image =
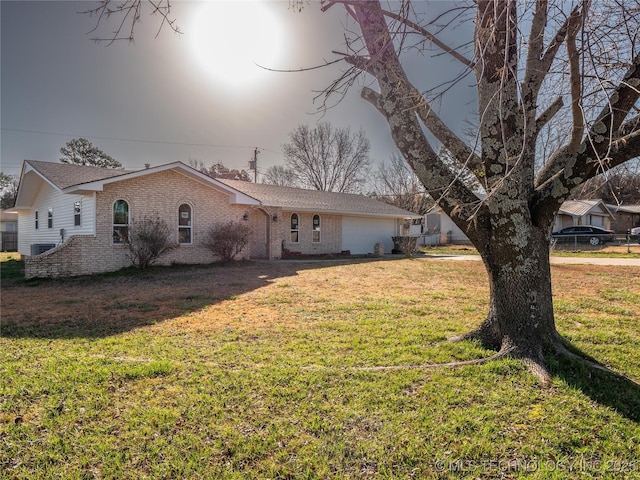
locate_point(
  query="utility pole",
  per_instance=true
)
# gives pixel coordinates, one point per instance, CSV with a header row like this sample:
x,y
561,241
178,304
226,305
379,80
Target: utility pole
x,y
253,165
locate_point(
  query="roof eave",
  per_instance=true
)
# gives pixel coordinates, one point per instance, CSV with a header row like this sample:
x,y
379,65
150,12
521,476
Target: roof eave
x,y
349,213
235,196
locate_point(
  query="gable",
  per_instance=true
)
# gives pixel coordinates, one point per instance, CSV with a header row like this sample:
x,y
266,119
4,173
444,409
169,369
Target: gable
x,y
82,179
580,208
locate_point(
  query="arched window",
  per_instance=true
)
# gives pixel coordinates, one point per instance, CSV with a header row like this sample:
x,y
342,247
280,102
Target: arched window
x,y
295,227
316,229
77,211
120,221
185,224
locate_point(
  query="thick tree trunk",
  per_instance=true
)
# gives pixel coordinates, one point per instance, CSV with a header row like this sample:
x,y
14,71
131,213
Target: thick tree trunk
x,y
520,321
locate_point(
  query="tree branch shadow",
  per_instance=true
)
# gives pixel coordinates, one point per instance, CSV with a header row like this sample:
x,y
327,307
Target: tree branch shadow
x,y
104,305
601,384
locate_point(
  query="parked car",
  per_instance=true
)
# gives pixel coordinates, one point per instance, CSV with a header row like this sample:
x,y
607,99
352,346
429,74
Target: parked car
x,y
583,234
635,234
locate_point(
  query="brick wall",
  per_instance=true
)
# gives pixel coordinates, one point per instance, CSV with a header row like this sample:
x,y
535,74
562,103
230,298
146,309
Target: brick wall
x,y
159,194
330,234
266,236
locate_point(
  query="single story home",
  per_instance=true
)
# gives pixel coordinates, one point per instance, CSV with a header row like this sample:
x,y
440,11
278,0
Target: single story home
x,y
571,212
583,212
73,219
626,217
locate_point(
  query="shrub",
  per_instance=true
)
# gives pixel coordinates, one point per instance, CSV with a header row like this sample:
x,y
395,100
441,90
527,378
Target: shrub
x,y
226,240
405,244
148,239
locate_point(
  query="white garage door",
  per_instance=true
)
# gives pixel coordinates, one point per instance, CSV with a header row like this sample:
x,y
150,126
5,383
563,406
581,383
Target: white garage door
x,y
359,235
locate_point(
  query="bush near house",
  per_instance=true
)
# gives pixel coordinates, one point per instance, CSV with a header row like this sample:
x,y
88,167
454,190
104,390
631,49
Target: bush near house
x,y
227,240
149,239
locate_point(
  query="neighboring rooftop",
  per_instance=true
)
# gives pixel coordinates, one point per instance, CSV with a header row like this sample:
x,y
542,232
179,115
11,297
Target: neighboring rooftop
x,y
578,208
624,208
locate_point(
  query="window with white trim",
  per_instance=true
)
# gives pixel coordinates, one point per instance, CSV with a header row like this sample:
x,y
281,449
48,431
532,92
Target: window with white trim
x,y
315,238
36,219
120,221
50,218
295,228
185,226
77,209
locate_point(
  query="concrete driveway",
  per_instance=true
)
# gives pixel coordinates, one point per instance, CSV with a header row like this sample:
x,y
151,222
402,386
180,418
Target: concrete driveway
x,y
629,262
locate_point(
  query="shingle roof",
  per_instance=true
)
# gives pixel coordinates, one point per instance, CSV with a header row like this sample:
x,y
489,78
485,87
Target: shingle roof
x,y
624,208
580,207
64,175
317,201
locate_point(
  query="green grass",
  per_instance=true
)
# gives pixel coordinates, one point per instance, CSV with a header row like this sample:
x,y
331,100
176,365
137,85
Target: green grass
x,y
11,268
214,392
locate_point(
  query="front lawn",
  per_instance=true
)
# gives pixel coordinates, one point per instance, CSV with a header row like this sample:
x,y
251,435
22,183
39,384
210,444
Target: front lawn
x,y
309,370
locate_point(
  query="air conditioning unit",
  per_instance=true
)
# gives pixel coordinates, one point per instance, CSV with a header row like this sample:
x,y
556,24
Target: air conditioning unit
x,y
40,248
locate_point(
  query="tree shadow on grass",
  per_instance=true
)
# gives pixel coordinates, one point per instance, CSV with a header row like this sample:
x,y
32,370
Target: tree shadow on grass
x,y
605,386
110,304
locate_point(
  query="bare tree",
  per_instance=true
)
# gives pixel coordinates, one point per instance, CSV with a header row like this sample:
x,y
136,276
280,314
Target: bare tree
x,y
281,176
588,54
618,186
328,159
218,170
8,190
81,151
533,63
395,183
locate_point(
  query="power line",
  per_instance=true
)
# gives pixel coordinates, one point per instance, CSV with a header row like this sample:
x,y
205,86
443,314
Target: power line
x,y
133,140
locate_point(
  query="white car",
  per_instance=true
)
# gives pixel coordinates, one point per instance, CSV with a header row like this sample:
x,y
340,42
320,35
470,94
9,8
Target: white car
x,y
635,234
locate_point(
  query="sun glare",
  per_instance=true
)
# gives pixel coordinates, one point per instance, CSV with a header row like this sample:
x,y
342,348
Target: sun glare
x,y
230,40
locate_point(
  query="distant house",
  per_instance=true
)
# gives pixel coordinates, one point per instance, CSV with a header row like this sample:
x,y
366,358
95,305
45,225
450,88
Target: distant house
x,y
572,212
8,221
583,212
73,220
626,217
8,231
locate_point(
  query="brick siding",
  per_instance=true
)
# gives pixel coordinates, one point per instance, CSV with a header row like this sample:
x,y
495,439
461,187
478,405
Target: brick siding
x,y
159,194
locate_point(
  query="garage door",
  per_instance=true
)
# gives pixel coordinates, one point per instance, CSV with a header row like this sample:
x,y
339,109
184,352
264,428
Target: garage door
x,y
359,235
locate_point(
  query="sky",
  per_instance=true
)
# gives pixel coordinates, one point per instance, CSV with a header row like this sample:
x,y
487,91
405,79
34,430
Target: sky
x,y
168,97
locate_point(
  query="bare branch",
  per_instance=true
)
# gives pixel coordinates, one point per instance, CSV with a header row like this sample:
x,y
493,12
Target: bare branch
x,y
534,74
406,22
549,113
130,12
623,98
550,54
575,82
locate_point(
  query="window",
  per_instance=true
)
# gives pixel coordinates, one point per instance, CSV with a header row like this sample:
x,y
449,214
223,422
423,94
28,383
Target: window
x,y
295,227
120,221
50,218
36,220
77,208
316,229
184,224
